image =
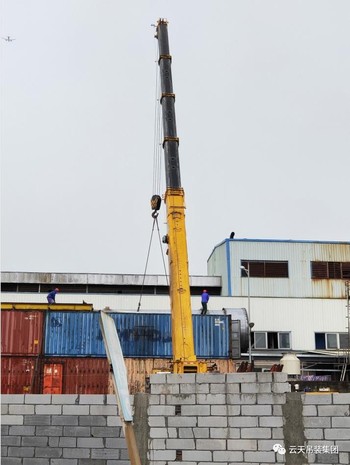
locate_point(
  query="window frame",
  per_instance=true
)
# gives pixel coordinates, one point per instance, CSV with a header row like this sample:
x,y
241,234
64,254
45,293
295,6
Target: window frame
x,y
266,334
265,269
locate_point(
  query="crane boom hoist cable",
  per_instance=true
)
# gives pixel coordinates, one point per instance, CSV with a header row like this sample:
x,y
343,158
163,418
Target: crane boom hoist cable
x,y
184,357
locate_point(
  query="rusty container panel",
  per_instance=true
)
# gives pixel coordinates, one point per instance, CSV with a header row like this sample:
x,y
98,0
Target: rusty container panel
x,y
19,375
21,332
75,375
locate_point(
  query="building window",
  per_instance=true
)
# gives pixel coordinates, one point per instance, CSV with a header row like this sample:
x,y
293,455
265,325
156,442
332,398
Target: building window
x,y
265,269
330,270
271,340
331,341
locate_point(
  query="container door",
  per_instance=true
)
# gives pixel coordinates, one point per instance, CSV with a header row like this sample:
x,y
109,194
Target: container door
x,y
53,374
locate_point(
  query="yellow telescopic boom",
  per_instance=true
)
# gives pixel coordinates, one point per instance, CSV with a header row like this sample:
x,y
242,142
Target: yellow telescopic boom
x,y
184,357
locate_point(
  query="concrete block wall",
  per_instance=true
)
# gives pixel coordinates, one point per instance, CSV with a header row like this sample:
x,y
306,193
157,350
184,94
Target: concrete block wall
x,y
61,430
192,419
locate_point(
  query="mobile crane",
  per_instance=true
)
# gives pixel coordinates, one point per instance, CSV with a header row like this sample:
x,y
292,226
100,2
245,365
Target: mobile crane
x,y
184,357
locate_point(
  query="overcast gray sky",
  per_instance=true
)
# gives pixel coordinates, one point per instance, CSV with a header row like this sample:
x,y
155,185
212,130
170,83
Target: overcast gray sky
x,y
263,113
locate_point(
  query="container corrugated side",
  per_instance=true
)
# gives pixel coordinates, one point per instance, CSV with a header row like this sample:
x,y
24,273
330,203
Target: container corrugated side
x,y
20,375
141,335
21,332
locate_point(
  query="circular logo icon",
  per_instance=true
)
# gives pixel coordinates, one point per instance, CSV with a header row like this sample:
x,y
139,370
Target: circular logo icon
x,y
279,449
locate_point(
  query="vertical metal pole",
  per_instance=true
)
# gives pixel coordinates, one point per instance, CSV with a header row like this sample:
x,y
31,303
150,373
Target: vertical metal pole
x,y
347,290
249,332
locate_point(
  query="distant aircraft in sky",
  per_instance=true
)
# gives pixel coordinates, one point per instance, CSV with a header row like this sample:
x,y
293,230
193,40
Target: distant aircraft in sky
x,y
8,39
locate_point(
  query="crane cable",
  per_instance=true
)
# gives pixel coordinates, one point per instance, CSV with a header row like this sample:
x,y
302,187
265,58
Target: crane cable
x,y
157,166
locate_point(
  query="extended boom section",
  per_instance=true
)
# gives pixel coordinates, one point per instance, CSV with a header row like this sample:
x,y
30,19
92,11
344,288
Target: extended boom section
x,y
184,358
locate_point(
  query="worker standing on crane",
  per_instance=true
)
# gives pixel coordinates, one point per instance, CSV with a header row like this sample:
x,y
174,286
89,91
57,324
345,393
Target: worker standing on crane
x,y
51,297
205,300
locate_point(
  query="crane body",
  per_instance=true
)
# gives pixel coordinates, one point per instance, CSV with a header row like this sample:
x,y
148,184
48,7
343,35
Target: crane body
x,y
184,357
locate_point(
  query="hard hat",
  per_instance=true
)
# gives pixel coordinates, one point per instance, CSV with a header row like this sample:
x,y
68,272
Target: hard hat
x,y
204,290
57,289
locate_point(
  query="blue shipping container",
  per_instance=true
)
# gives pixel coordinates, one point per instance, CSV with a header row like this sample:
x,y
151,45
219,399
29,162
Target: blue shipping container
x,y
141,335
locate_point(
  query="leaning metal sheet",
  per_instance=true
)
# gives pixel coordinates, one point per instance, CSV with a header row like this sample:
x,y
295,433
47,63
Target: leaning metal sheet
x,y
115,356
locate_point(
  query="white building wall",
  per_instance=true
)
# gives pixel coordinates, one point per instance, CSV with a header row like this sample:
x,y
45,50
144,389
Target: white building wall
x,y
299,255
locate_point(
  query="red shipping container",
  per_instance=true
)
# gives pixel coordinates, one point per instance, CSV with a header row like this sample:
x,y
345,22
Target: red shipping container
x,y
74,375
21,332
20,375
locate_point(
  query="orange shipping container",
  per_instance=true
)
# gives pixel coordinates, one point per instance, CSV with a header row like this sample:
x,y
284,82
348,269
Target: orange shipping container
x,y
21,332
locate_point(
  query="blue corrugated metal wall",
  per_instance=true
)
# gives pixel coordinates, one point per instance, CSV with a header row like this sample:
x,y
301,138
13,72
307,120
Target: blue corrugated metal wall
x,y
141,335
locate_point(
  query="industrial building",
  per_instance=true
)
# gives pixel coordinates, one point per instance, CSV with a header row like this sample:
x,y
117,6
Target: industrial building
x,y
296,294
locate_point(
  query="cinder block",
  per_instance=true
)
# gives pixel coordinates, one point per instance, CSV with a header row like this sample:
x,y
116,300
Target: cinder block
x,y
90,443
156,421
112,421
210,378
242,444
64,399
197,455
271,399
200,433
281,388
104,454
332,410
159,378
77,431
186,433
316,399
36,461
64,462
14,451
37,399
341,398
70,453
277,433
48,452
48,430
93,462
182,399
196,410
165,388
344,446
279,377
311,433
22,430
12,419
344,458
158,433
258,433
180,444
234,388
266,444
54,441
64,420
47,409
11,461
154,444
209,399
35,441
317,422
264,377
337,433
37,420
233,410
215,422
217,388
271,421
161,410
253,410
21,409
239,422
277,410
234,433
162,455
339,422
12,441
202,388
241,378
95,420
259,457
75,410
5,409
67,442
112,400
115,443
188,388
103,410
12,398
103,432
218,410
227,456
213,444
241,399
92,399
219,433
184,422
185,378
4,430
309,411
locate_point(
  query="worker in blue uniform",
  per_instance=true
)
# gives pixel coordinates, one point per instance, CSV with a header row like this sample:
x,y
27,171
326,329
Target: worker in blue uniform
x,y
205,300
51,297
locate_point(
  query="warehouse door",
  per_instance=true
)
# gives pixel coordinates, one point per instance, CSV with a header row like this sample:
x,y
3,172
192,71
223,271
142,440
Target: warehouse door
x,y
53,373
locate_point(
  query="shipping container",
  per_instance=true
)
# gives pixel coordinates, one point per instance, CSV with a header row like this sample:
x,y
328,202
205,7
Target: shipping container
x,y
141,335
20,375
21,332
82,375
